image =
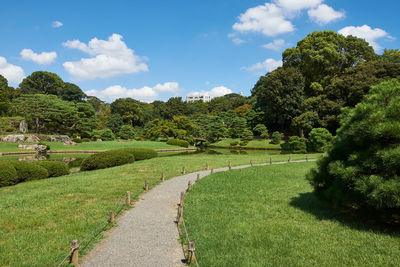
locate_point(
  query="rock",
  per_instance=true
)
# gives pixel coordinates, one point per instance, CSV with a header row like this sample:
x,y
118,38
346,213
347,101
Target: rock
x,y
123,140
64,138
99,140
23,126
53,139
32,139
69,143
40,149
27,146
14,138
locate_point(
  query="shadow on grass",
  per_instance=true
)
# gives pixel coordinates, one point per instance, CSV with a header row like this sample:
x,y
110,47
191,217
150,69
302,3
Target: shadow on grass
x,y
360,220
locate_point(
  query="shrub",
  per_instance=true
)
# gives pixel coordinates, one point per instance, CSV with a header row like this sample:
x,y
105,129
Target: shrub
x,y
276,138
44,144
54,168
8,174
177,142
85,140
247,135
105,134
115,122
319,140
95,137
77,140
107,159
28,171
141,153
362,168
298,145
243,143
9,129
234,143
261,130
126,132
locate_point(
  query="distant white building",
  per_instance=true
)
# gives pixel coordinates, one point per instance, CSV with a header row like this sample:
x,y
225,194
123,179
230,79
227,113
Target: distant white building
x,y
196,97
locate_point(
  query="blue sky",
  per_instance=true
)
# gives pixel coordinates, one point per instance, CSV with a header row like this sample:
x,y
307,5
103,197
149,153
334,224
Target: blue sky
x,y
152,50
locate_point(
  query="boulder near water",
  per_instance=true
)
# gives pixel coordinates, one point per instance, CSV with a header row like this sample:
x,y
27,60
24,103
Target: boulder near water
x,y
32,139
14,138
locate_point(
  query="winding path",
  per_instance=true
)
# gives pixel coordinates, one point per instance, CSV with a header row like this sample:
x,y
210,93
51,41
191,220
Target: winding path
x,y
147,235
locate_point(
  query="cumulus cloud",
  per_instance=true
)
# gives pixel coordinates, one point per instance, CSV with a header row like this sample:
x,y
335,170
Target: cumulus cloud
x,y
56,24
267,19
366,32
214,92
109,58
43,58
324,14
145,94
275,44
13,73
268,65
295,5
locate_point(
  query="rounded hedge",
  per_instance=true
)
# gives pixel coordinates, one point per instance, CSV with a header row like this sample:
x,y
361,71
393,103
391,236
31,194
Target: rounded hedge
x,y
362,168
54,168
297,145
28,171
107,159
8,174
141,153
276,138
126,132
177,142
319,140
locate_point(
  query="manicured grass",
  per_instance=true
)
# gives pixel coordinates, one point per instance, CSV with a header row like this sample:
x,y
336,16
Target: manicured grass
x,y
38,219
256,143
105,145
268,216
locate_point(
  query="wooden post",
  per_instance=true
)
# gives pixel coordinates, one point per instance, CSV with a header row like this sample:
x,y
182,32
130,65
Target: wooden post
x,y
191,250
180,214
251,163
111,220
163,176
306,157
230,165
74,252
182,198
146,185
128,198
212,171
198,177
288,159
189,185
207,166
183,170
270,160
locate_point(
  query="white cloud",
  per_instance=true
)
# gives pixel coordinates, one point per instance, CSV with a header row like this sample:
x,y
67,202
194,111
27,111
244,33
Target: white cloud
x,y
267,19
275,45
236,40
109,58
366,32
268,65
56,24
294,5
324,14
13,73
145,94
214,92
43,58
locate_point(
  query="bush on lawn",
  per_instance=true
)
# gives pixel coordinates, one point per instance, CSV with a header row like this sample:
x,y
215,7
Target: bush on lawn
x,y
298,145
243,143
126,132
234,143
141,153
247,135
85,140
177,142
104,134
54,168
319,140
362,168
8,174
276,138
28,171
107,159
77,140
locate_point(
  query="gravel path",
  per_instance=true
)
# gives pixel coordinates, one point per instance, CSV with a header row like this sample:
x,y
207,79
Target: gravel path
x,y
147,235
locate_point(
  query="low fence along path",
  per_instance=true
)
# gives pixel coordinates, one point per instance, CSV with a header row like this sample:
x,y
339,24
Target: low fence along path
x,y
147,235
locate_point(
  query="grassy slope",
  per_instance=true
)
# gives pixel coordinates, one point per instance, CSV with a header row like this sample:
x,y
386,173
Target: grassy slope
x,y
256,143
266,216
38,219
105,145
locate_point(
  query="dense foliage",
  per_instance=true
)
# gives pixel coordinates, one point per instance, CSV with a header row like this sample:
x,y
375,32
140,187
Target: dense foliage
x,y
319,140
363,166
177,142
141,153
8,174
54,168
28,171
106,159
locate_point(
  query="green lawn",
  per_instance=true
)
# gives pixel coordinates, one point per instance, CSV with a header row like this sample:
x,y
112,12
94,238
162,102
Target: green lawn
x,y
40,218
105,145
256,143
268,216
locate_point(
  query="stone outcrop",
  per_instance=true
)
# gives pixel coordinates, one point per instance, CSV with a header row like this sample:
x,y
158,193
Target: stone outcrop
x,y
69,143
33,147
32,139
60,138
40,149
13,139
23,126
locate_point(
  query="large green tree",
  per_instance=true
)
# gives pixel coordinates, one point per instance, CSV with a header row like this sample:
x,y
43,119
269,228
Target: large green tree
x,y
71,92
41,82
128,108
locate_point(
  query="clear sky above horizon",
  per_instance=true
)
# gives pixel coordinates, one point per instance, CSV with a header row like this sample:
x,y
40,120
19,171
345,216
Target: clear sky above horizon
x,y
153,50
